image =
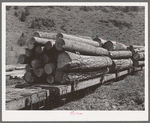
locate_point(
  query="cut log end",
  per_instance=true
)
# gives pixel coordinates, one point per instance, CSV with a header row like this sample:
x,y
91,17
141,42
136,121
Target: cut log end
x,y
50,68
36,63
62,59
59,44
39,49
29,77
36,34
108,45
23,59
30,45
50,79
49,45
39,72
28,67
45,58
59,36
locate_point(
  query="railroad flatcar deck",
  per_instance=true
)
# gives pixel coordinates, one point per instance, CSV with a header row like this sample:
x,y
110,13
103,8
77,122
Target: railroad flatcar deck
x,y
21,98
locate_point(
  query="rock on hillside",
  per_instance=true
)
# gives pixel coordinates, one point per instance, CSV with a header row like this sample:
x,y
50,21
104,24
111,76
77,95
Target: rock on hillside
x,y
123,24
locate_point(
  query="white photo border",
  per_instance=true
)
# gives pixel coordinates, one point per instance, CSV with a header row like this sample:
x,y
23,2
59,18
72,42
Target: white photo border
x,y
65,115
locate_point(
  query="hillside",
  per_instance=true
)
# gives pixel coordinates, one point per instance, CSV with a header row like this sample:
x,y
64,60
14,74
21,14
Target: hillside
x,y
122,24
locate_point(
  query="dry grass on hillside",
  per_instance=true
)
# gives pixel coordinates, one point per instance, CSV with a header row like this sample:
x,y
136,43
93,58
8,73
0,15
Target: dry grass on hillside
x,y
122,24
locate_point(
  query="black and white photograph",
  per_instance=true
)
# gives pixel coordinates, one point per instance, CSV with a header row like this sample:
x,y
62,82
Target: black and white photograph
x,y
75,61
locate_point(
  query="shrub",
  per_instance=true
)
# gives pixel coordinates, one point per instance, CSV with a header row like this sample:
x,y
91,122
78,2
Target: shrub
x,y
27,12
8,7
16,7
42,22
85,8
16,14
33,24
23,17
22,40
134,8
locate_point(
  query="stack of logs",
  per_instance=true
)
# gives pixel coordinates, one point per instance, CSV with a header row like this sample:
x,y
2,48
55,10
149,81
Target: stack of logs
x,y
62,58
138,53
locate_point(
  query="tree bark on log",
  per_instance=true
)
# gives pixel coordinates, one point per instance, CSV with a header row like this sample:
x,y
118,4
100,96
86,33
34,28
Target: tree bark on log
x,y
35,41
50,79
85,37
36,63
138,63
114,46
23,59
76,39
49,68
68,78
39,72
72,62
82,48
120,64
139,56
120,54
49,45
45,35
20,67
10,67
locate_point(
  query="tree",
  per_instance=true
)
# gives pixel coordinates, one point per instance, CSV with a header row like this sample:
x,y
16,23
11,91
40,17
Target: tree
x,y
23,17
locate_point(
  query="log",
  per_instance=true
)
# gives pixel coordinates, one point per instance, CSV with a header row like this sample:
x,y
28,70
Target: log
x,y
45,35
72,62
114,46
20,67
47,58
10,67
120,64
85,37
139,56
77,39
28,68
138,50
100,40
35,41
49,68
23,59
68,78
40,49
28,52
58,74
29,77
39,72
138,63
44,58
120,54
36,63
49,44
50,79
82,48
131,47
